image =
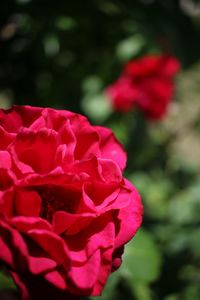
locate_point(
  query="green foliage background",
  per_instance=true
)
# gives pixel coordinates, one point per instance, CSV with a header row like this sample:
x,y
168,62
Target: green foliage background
x,y
62,54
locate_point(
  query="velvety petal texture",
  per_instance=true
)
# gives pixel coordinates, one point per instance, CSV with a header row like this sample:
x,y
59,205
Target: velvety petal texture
x,y
66,210
147,84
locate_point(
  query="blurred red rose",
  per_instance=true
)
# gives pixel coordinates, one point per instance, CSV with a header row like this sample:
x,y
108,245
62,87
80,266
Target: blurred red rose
x,y
65,209
123,94
146,83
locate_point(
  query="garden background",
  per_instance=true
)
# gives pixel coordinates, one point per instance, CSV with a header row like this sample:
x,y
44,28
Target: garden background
x,y
63,54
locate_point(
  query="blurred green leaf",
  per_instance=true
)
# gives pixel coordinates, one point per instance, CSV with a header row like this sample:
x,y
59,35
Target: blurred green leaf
x,y
5,99
6,282
172,297
185,206
192,292
155,191
51,45
142,259
65,23
97,107
119,126
92,85
130,47
141,291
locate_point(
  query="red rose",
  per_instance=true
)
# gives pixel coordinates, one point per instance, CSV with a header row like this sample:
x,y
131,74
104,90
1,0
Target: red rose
x,y
65,209
122,94
151,79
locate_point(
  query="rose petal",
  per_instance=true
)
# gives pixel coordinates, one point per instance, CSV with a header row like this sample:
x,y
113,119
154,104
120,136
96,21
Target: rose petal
x,y
110,147
27,203
6,137
16,245
130,218
25,224
84,277
31,146
40,265
5,160
56,279
63,221
52,244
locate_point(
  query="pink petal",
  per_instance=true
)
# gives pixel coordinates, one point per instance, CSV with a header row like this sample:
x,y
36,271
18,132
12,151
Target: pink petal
x,y
56,279
40,265
5,160
129,218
